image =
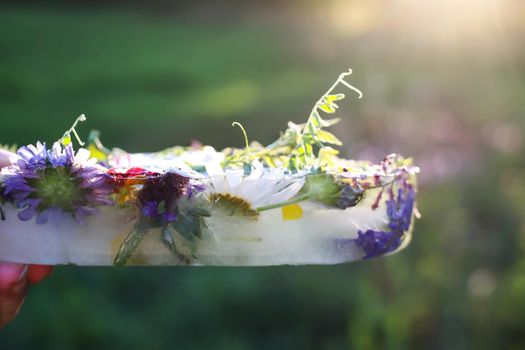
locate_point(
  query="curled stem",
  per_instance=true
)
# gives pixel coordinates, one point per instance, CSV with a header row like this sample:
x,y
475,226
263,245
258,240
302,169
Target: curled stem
x,y
245,135
340,80
67,134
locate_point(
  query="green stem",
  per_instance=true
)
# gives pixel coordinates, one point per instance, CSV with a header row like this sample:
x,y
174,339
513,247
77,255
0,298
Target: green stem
x,y
340,80
288,202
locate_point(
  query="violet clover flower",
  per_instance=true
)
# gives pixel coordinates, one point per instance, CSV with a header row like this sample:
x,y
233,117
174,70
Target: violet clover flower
x,y
45,183
399,210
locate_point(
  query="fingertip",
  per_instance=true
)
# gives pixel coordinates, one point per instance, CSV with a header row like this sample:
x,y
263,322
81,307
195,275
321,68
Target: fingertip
x,y
37,273
11,273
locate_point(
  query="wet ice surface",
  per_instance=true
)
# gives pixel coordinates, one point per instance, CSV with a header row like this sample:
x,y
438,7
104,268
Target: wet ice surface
x,y
228,240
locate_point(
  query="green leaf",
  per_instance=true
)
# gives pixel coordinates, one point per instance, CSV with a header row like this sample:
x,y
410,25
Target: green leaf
x,y
292,163
328,107
184,226
199,211
189,223
327,137
316,120
312,130
301,157
132,241
325,123
322,123
169,242
270,161
327,155
309,152
332,98
323,188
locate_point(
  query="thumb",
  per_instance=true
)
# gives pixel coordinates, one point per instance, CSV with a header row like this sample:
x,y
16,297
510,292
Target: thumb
x,y
13,287
5,158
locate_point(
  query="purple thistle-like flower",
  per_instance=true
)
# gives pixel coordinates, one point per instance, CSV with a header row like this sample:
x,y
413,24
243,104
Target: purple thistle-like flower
x,y
32,157
399,211
45,183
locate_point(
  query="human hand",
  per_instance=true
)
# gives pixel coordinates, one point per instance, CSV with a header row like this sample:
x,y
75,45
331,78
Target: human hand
x,y
14,281
15,278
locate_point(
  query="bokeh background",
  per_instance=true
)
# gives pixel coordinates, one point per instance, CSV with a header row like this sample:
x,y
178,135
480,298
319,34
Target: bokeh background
x,y
444,81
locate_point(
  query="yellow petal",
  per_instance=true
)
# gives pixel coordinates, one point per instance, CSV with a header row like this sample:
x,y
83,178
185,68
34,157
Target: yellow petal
x,y
292,212
96,153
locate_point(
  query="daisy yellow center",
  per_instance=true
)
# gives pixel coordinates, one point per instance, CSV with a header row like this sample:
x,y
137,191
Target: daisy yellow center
x,y
57,187
232,205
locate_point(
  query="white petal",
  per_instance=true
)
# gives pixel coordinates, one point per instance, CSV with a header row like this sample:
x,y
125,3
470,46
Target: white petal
x,y
257,171
82,156
234,178
56,149
283,195
216,174
263,189
274,174
213,167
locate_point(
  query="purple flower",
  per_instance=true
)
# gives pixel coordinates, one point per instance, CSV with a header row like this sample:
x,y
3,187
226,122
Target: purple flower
x,y
150,209
159,197
377,243
47,183
194,188
399,211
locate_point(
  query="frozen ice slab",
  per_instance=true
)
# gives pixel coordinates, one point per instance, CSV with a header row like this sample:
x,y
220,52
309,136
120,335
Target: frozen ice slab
x,y
307,232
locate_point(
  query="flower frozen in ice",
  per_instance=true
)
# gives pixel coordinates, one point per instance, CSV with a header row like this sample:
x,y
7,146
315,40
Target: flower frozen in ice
x,y
237,193
400,211
159,196
327,189
46,182
128,183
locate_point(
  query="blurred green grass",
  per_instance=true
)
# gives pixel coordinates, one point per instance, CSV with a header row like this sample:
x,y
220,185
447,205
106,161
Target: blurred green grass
x,y
149,81
130,72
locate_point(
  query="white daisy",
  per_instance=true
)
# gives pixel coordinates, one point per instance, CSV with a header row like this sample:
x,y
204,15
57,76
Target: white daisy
x,y
263,187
